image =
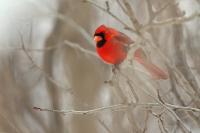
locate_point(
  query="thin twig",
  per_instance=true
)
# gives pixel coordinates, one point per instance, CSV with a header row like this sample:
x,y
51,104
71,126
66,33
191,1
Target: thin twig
x,y
150,11
177,107
171,21
163,8
84,112
132,16
146,121
161,124
67,19
117,107
167,108
121,6
126,26
35,49
104,125
133,91
78,47
107,6
39,68
75,26
154,14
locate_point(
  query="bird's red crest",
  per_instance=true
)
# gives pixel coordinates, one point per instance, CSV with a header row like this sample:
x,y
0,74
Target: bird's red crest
x,y
107,31
101,28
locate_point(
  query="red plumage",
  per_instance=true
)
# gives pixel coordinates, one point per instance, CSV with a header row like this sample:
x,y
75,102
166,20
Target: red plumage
x,y
112,47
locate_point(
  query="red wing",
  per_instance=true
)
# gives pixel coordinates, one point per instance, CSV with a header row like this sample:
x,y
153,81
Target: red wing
x,y
154,70
116,41
123,38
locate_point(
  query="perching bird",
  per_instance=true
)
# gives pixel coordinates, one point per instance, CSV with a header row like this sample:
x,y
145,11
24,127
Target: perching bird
x,y
112,46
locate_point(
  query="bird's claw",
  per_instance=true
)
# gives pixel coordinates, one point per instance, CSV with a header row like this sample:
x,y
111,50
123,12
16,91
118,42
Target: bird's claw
x,y
115,68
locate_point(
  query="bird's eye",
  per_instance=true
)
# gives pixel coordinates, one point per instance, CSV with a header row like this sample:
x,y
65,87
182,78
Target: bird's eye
x,y
98,38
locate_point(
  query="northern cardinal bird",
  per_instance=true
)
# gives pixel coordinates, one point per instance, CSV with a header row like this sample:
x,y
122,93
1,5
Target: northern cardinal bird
x,y
112,46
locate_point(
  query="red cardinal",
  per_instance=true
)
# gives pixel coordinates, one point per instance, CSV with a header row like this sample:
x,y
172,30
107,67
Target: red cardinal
x,y
112,47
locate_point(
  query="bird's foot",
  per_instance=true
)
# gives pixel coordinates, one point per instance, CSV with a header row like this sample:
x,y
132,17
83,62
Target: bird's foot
x,y
115,68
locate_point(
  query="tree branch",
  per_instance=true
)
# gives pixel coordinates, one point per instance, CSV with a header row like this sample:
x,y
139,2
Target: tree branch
x,y
171,21
126,26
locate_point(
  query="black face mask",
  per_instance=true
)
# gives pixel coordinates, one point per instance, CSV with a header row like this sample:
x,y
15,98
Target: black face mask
x,y
103,41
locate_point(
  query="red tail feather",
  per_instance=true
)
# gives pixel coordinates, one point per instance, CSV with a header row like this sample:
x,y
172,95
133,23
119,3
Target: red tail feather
x,y
154,70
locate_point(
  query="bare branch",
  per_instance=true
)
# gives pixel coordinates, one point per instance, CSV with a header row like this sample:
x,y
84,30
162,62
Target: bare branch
x,y
133,91
146,121
163,8
131,15
84,112
104,125
76,26
154,14
35,49
161,124
172,21
107,6
78,47
39,68
177,107
121,6
66,19
117,107
150,10
126,26
168,109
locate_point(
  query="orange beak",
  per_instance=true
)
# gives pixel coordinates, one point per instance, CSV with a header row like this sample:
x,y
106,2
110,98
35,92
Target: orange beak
x,y
97,38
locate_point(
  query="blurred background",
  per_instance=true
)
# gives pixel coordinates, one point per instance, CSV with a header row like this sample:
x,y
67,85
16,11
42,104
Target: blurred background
x,y
40,65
